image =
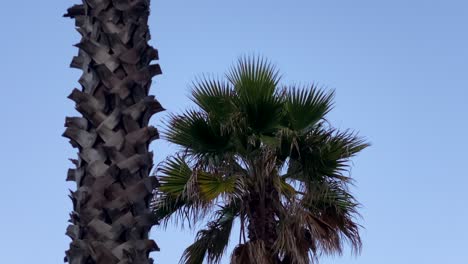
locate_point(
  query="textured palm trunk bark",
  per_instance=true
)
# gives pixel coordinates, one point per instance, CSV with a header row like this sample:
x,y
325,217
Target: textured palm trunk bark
x,y
111,218
262,221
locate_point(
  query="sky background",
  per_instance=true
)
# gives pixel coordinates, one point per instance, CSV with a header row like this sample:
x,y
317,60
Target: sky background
x,y
399,68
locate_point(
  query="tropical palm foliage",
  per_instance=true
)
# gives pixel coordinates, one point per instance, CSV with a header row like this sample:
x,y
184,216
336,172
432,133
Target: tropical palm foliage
x,y
264,154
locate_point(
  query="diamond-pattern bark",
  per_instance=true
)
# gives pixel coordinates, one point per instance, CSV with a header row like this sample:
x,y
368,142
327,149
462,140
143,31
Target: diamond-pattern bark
x,y
111,218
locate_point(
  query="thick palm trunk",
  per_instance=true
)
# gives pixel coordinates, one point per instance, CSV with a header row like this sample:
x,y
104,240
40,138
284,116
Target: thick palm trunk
x,y
111,218
262,223
262,220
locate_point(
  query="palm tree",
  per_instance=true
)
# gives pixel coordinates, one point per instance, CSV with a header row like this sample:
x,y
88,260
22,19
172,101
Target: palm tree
x,y
264,154
111,216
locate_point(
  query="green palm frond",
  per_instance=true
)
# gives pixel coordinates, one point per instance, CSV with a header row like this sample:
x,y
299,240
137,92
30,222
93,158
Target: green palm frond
x,y
167,207
324,153
257,99
172,198
254,75
214,97
198,134
321,196
176,173
211,243
179,192
306,106
346,144
212,186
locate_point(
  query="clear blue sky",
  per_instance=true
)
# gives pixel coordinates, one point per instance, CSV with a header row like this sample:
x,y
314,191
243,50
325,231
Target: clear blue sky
x,y
400,70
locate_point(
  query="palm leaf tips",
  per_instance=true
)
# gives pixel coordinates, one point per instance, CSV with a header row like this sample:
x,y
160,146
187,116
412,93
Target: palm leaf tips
x,y
306,106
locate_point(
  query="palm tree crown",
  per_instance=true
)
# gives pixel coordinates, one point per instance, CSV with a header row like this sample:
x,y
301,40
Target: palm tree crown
x,y
264,154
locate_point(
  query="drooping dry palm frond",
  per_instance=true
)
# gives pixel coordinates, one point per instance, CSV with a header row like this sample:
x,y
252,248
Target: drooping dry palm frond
x,y
270,150
211,242
252,252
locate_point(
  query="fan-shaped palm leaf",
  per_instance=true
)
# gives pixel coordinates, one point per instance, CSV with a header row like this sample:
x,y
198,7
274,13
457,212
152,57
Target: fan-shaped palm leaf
x,y
306,106
190,193
174,196
255,81
324,153
198,134
214,97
